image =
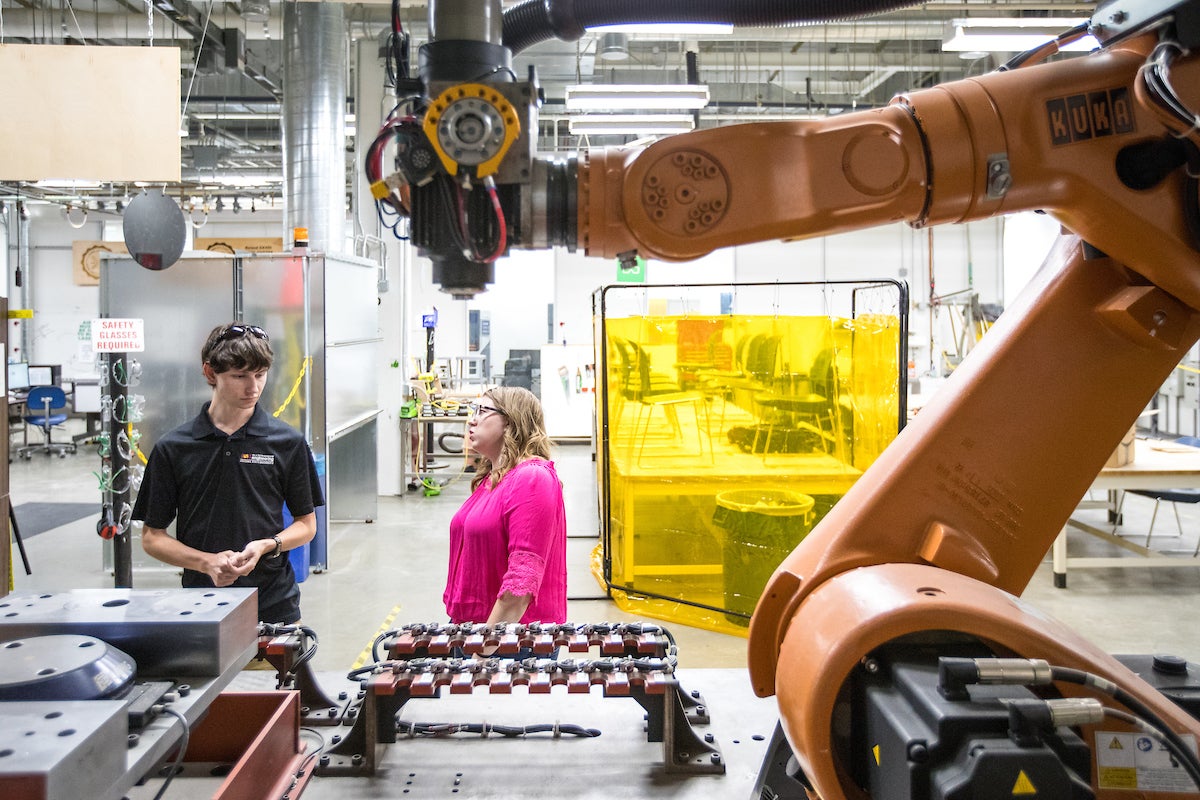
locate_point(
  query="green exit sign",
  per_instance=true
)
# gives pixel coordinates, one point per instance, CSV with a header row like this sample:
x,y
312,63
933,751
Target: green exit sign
x,y
631,271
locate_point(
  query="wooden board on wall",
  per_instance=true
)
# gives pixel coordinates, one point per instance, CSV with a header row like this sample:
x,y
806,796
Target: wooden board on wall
x,y
85,260
240,244
89,113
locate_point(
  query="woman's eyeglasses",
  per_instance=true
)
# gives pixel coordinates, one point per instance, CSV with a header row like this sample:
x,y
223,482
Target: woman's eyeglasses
x,y
237,331
481,411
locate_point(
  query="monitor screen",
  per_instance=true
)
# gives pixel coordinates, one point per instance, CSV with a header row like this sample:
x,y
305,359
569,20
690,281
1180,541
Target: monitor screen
x,y
41,375
18,376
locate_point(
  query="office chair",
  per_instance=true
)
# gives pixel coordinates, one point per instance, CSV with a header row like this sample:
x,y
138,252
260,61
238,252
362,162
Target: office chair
x,y
803,407
1172,496
39,405
651,390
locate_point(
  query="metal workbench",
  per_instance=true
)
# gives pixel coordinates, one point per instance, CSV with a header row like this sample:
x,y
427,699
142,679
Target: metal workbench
x,y
619,763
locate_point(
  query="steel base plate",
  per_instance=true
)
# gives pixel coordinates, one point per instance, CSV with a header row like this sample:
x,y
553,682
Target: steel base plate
x,y
171,632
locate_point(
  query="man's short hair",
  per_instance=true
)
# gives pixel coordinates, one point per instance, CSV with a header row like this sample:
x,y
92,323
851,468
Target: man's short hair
x,y
237,345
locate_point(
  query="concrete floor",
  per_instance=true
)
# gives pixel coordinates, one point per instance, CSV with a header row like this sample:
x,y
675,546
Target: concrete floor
x,y
393,569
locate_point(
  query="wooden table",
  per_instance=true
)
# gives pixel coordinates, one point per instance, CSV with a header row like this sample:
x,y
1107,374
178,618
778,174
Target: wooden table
x,y
424,431
1178,468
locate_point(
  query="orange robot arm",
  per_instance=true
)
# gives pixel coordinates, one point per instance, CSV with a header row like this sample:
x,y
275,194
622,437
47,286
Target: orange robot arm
x,y
948,526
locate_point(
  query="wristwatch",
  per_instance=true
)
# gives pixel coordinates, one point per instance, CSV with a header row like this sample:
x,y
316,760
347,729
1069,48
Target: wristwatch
x,y
278,547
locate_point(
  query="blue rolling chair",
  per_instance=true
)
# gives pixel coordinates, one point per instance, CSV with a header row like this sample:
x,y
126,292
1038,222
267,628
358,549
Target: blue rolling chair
x,y
40,405
1172,496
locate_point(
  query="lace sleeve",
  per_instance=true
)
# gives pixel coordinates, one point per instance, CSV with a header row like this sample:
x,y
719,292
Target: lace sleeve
x,y
524,574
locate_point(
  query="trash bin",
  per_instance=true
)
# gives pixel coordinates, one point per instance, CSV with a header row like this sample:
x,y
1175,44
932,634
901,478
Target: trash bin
x,y
761,526
301,556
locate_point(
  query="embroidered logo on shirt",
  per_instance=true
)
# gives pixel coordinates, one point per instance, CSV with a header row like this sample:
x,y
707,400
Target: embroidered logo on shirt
x,y
258,458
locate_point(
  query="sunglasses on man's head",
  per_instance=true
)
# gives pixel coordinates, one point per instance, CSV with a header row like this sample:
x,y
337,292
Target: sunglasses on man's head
x,y
238,331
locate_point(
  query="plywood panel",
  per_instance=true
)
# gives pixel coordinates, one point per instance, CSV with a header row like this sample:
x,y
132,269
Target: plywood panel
x,y
240,244
85,259
89,113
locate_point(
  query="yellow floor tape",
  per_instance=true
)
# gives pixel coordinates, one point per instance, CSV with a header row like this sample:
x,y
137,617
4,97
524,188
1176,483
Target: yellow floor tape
x,y
384,626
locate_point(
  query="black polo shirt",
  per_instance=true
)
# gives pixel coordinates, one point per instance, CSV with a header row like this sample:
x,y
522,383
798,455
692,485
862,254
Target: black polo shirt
x,y
227,490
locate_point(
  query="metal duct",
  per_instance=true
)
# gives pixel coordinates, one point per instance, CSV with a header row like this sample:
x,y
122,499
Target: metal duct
x,y
313,116
256,10
29,24
614,46
465,20
532,21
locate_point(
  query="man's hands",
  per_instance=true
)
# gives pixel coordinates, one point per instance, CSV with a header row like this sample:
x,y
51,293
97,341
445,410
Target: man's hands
x,y
222,567
227,566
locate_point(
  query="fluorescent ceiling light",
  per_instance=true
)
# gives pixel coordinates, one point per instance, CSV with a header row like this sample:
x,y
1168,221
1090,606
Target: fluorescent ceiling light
x,y
232,116
668,28
1011,35
615,97
248,180
67,183
630,124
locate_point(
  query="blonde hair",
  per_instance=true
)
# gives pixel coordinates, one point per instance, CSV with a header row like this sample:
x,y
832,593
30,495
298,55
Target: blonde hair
x,y
524,433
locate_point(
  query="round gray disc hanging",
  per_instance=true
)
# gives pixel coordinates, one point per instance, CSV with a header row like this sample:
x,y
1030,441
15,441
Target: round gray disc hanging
x,y
155,230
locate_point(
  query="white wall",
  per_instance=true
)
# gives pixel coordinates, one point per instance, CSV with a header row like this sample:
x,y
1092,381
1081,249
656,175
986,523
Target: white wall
x,y
60,306
1027,240
518,303
576,278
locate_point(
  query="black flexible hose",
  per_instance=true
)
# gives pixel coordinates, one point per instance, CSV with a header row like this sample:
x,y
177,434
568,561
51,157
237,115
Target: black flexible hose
x,y
533,21
1188,760
309,642
484,728
379,640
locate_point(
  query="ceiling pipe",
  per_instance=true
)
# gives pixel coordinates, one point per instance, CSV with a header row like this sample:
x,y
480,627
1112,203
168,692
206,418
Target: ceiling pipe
x,y
533,21
313,114
26,23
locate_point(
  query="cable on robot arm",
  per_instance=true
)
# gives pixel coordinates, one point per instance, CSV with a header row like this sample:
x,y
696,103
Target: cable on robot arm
x,y
1143,712
397,49
501,237
1155,79
956,673
391,220
1044,51
501,225
391,190
1156,86
461,230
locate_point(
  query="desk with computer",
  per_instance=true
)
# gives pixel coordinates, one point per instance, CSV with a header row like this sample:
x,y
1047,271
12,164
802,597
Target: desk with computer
x,y
38,398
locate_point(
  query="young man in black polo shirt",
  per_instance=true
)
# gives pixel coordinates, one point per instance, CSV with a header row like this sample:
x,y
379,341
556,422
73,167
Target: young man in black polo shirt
x,y
225,477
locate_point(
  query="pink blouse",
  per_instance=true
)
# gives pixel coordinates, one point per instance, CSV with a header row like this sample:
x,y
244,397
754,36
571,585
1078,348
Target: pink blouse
x,y
511,538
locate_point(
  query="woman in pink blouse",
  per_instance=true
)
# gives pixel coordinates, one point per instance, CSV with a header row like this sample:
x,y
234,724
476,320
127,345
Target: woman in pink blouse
x,y
508,540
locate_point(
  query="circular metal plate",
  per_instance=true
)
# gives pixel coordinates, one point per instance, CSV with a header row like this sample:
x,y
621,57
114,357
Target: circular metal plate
x,y
63,667
471,131
155,230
